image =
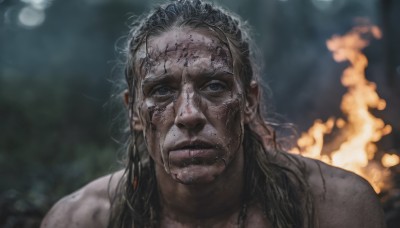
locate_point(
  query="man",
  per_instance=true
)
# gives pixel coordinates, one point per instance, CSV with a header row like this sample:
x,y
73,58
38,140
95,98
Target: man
x,y
201,154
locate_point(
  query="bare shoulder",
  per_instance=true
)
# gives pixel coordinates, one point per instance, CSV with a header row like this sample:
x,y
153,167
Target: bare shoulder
x,y
342,198
87,207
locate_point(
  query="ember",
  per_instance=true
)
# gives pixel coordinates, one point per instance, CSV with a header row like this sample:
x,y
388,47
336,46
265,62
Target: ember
x,y
355,144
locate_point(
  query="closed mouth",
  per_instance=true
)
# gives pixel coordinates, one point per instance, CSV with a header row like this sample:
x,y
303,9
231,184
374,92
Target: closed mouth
x,y
193,153
196,145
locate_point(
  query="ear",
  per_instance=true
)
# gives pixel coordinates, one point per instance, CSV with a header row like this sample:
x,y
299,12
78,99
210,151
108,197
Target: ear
x,y
135,121
252,102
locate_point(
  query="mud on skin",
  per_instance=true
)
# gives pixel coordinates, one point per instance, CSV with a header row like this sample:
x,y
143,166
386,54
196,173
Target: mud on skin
x,y
188,92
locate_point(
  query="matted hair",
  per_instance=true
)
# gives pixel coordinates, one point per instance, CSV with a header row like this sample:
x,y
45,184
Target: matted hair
x,y
281,187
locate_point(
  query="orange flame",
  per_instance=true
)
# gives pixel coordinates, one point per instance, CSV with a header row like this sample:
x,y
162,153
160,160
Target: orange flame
x,y
389,160
360,129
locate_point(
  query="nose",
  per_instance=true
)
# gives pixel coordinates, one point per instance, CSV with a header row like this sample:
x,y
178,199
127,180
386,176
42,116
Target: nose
x,y
189,115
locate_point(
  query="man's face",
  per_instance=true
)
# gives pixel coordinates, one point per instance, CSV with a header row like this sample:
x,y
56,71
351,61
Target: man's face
x,y
190,104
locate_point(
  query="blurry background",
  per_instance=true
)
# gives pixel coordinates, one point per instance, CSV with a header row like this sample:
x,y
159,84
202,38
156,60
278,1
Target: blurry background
x,y
58,61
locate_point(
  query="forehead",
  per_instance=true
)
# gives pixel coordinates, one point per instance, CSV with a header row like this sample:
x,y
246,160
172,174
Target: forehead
x,y
182,46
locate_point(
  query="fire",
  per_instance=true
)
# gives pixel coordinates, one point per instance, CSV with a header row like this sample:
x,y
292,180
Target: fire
x,y
359,130
389,160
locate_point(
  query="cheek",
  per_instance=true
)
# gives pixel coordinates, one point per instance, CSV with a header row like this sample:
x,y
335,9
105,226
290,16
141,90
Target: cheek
x,y
227,119
153,114
156,120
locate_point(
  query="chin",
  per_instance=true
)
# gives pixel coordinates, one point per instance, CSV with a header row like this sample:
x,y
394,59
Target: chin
x,y
197,174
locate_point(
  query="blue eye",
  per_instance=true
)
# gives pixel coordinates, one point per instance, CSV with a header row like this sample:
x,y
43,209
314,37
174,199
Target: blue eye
x,y
161,91
215,86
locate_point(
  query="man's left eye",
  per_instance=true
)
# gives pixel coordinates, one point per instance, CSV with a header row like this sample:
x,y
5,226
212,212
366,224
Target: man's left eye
x,y
215,86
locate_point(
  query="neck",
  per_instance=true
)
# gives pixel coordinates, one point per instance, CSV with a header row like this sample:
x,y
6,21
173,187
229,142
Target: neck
x,y
215,201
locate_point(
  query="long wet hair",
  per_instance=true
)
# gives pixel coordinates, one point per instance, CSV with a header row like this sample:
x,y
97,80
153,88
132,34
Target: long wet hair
x,y
273,178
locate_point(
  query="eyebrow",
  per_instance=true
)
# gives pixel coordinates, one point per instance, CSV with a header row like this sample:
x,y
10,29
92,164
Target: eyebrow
x,y
165,78
209,75
154,79
215,73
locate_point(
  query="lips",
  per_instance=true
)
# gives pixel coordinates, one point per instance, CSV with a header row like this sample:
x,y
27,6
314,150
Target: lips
x,y
193,153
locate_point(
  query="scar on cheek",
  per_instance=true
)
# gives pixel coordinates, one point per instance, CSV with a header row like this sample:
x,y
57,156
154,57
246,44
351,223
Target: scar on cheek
x,y
229,112
232,104
154,114
232,108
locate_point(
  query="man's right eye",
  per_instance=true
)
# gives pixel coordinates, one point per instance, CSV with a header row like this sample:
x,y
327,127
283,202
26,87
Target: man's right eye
x,y
161,91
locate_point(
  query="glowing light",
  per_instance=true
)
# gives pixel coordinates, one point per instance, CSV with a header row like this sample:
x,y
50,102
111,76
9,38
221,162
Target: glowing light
x,y
389,160
38,4
31,17
360,130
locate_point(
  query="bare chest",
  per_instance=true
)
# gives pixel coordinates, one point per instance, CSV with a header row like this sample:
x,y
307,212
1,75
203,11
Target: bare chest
x,y
254,218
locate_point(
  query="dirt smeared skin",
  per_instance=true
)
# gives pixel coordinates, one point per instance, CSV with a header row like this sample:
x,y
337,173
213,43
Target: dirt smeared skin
x,y
188,91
